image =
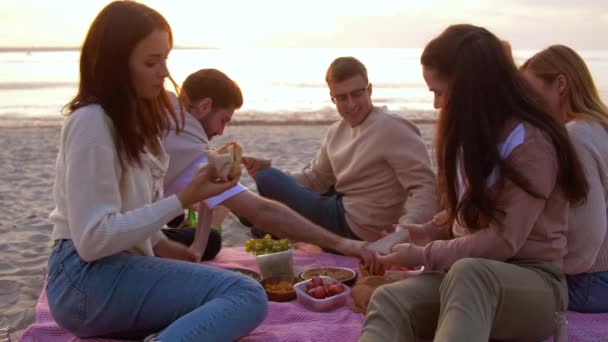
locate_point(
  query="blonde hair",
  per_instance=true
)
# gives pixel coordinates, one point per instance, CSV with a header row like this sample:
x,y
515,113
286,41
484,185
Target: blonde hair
x,y
582,100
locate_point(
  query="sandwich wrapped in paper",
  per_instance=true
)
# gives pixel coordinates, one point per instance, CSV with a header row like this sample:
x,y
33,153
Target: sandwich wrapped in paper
x,y
225,162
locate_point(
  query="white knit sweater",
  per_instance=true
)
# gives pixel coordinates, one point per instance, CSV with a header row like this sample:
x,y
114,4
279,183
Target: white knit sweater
x,y
102,207
587,223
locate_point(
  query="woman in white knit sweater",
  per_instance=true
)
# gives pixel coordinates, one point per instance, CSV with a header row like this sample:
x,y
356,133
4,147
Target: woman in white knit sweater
x,y
561,77
112,273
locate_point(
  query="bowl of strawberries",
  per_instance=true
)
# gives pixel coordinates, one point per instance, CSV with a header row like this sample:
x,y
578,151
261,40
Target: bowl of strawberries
x,y
321,293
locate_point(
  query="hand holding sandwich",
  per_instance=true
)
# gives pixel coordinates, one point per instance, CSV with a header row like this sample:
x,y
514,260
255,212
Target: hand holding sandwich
x,y
202,186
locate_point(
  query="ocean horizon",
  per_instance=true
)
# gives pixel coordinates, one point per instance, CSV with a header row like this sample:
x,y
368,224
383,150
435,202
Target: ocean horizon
x,y
280,85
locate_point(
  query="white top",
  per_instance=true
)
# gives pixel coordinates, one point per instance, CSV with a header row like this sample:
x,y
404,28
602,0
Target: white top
x,y
187,152
102,207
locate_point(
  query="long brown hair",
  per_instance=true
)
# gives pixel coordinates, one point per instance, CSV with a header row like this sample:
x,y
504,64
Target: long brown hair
x,y
486,92
105,78
580,99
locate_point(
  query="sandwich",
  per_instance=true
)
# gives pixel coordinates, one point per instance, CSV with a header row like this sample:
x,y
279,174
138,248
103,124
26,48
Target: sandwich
x,y
225,162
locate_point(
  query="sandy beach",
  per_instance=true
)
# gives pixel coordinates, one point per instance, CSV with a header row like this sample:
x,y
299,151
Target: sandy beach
x,y
26,198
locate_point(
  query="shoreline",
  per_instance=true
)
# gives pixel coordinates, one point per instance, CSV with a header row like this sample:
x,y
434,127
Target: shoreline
x,y
43,122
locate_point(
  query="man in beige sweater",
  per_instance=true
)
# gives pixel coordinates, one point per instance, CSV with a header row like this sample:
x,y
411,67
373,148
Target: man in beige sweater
x,y
371,171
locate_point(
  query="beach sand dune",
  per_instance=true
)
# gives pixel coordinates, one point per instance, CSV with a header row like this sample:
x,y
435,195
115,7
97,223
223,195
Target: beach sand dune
x,y
27,168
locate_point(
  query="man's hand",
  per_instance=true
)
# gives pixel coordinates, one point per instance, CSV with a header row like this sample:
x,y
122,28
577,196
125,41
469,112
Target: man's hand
x,y
368,260
172,250
254,165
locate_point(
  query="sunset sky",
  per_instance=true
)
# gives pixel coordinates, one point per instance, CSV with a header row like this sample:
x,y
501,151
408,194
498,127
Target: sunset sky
x,y
527,24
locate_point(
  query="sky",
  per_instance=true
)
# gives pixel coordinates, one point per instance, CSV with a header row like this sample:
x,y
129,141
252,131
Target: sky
x,y
526,24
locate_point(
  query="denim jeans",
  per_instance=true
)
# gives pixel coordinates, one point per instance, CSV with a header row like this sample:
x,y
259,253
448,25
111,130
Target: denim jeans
x,y
588,292
129,296
326,210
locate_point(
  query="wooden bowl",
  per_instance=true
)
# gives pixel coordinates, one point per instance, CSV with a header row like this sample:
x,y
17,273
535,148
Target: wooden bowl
x,y
280,289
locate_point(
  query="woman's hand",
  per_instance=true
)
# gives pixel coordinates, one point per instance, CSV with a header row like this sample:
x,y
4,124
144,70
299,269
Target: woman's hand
x,y
173,250
367,258
203,186
254,165
404,255
417,233
385,244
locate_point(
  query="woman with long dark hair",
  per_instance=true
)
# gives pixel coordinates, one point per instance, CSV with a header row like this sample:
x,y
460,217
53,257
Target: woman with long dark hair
x,y
506,174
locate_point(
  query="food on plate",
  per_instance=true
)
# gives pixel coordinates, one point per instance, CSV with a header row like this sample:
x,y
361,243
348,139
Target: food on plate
x,y
281,286
344,275
267,245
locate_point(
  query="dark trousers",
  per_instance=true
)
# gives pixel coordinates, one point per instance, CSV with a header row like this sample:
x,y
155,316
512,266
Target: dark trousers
x,y
325,210
185,236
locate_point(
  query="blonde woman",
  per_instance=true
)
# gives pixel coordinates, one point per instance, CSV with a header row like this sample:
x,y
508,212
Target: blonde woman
x,y
561,77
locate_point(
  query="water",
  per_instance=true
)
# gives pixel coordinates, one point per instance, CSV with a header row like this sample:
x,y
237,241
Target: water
x,y
279,85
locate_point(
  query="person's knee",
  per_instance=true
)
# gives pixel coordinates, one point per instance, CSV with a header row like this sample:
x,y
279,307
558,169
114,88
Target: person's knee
x,y
468,273
266,178
253,299
384,298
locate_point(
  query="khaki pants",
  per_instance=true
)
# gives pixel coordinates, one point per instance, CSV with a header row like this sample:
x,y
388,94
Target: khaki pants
x,y
476,300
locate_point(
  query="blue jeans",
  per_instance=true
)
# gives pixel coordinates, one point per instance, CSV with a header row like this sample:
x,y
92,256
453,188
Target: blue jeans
x,y
588,292
128,296
326,210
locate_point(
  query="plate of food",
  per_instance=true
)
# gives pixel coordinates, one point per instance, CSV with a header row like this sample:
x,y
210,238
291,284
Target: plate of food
x,y
280,289
342,274
252,274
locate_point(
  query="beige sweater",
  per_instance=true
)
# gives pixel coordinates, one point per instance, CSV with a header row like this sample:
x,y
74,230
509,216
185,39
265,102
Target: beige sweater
x,y
587,224
383,169
102,207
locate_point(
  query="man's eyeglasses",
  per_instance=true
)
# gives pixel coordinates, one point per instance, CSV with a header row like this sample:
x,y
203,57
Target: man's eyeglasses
x,y
355,94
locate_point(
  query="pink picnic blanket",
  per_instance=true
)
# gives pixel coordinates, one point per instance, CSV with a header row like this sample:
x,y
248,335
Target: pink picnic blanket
x,y
287,322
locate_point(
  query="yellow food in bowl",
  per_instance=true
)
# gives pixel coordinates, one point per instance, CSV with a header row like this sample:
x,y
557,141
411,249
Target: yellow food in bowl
x,y
282,286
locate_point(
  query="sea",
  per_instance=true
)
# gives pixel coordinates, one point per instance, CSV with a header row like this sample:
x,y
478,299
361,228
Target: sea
x,y
280,85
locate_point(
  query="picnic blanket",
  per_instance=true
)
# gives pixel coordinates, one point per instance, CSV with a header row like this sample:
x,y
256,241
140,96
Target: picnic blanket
x,y
289,322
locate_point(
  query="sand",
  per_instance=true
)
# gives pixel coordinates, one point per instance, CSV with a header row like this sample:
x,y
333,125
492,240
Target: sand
x,y
27,164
